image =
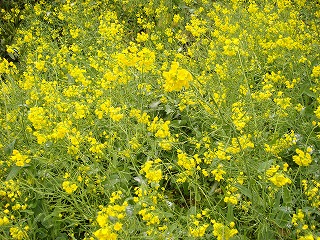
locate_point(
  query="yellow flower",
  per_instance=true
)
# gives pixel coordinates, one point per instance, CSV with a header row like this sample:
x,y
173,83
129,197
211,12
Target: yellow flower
x,y
68,187
176,78
105,234
187,162
198,231
302,159
272,170
142,37
306,237
4,221
218,173
37,117
239,116
19,159
316,71
117,226
279,180
223,232
317,112
297,217
152,174
146,59
160,127
17,233
231,199
197,27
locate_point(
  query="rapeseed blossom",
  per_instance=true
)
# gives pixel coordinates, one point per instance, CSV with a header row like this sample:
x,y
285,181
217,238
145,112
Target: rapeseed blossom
x,y
223,232
279,180
19,159
151,173
38,117
3,221
218,173
164,115
303,158
69,187
176,78
17,233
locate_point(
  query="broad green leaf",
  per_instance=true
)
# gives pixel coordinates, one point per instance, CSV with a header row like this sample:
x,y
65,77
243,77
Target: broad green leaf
x,y
245,191
287,198
282,217
9,148
265,232
264,166
13,172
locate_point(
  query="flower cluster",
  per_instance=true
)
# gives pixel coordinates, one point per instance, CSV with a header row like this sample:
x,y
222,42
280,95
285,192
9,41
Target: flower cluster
x,y
176,78
303,158
160,120
18,159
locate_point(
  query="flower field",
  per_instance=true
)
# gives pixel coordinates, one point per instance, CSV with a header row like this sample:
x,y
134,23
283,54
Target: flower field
x,y
161,119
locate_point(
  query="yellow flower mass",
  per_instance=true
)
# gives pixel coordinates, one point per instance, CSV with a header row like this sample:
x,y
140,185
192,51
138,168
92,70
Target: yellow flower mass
x,y
159,119
303,158
69,187
280,180
19,159
176,78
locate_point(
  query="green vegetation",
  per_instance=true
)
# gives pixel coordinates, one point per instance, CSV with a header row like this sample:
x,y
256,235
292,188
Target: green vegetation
x,y
160,120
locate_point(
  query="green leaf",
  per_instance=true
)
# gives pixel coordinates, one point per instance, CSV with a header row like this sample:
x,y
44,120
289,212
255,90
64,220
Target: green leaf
x,y
173,227
42,233
13,56
230,215
282,217
309,93
13,172
178,123
245,191
9,148
47,221
62,236
264,166
168,215
197,196
277,199
192,210
155,104
287,198
168,109
265,232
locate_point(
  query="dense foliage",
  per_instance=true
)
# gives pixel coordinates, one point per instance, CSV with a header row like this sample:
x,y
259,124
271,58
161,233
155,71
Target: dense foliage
x,y
161,120
9,22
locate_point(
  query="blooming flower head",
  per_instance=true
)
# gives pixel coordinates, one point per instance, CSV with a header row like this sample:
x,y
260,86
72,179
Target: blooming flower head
x,y
176,78
302,159
19,159
69,187
280,180
223,232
